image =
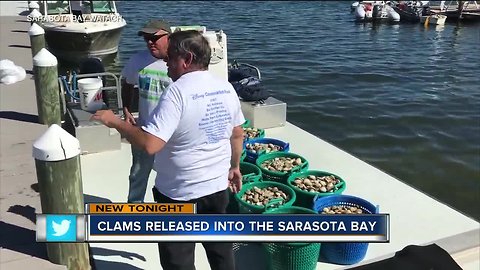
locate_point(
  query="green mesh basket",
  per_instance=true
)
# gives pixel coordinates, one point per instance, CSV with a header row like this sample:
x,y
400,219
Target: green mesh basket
x,y
248,208
250,174
288,256
243,156
246,123
261,133
280,177
305,198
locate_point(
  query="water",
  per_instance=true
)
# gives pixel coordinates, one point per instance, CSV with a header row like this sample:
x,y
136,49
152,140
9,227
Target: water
x,y
404,98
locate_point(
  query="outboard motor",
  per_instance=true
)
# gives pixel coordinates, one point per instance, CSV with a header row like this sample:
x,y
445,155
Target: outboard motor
x,y
94,65
377,11
426,11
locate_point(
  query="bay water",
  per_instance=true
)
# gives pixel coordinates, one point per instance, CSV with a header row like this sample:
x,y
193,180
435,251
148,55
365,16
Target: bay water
x,y
404,98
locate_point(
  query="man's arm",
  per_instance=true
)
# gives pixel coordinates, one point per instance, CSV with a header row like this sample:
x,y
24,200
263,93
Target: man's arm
x,y
127,100
236,143
135,135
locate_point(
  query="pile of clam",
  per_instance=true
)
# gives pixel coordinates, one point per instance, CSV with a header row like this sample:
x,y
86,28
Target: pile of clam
x,y
267,147
250,133
314,183
342,209
281,164
261,196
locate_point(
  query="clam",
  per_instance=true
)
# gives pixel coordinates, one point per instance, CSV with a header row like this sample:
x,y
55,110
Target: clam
x,y
281,164
267,147
318,183
262,196
250,133
342,209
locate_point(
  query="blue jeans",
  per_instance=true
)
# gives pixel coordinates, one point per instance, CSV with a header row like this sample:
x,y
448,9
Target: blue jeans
x,y
142,164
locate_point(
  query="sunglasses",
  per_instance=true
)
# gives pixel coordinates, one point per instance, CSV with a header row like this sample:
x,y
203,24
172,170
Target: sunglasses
x,y
153,38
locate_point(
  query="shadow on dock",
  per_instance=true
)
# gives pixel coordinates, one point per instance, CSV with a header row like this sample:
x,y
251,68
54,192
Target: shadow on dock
x,y
18,116
99,264
20,46
95,199
20,239
26,211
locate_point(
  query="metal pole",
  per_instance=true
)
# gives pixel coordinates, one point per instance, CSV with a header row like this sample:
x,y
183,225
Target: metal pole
x,y
37,38
46,87
460,9
57,163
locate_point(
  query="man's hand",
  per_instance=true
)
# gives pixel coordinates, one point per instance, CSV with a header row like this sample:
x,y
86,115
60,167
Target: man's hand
x,y
129,117
107,117
235,180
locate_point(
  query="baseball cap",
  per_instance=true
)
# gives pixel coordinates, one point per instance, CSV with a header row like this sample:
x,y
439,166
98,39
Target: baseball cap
x,y
154,26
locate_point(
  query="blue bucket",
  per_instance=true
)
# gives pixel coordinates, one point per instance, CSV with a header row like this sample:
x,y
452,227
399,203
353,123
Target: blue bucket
x,y
252,157
344,253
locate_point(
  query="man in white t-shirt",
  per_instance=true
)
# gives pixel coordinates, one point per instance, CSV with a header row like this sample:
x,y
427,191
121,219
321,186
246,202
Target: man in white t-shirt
x,y
197,136
148,70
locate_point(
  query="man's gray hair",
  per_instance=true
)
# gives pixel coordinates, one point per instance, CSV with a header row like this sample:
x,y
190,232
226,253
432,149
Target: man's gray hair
x,y
191,41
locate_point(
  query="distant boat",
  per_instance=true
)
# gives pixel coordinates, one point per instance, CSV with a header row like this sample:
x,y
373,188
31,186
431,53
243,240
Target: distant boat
x,y
376,11
70,39
412,11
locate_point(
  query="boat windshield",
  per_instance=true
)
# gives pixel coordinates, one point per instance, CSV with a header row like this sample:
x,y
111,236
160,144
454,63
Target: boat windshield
x,y
63,7
102,6
58,7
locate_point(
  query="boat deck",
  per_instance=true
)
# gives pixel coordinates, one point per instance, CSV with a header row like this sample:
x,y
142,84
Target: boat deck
x,y
415,218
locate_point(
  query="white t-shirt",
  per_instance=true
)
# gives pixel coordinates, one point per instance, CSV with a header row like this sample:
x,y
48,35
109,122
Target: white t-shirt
x,y
195,117
150,75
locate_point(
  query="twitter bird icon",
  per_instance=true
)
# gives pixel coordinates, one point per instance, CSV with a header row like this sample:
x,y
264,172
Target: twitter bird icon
x,y
61,228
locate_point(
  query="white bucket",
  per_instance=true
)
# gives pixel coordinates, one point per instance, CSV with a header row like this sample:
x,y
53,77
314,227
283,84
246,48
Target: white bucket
x,y
90,94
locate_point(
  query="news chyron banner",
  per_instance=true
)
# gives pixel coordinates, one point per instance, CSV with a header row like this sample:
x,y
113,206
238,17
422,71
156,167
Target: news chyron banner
x,y
179,222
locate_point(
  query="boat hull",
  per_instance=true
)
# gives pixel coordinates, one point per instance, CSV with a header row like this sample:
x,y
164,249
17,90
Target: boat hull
x,y
408,15
75,46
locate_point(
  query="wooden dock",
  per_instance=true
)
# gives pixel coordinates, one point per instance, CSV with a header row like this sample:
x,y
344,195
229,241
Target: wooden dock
x,y
469,13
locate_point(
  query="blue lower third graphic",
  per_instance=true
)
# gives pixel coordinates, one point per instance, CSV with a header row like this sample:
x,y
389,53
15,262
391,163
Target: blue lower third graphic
x,y
61,228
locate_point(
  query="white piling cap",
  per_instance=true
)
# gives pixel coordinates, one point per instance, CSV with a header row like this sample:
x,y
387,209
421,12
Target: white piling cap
x,y
35,14
33,4
56,144
44,58
35,30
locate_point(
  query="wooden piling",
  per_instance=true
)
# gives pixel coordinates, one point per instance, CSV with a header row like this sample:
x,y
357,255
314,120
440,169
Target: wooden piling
x,y
46,87
57,163
37,38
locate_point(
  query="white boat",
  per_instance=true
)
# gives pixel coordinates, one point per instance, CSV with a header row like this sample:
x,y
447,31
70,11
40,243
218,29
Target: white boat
x,y
374,11
71,35
435,19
